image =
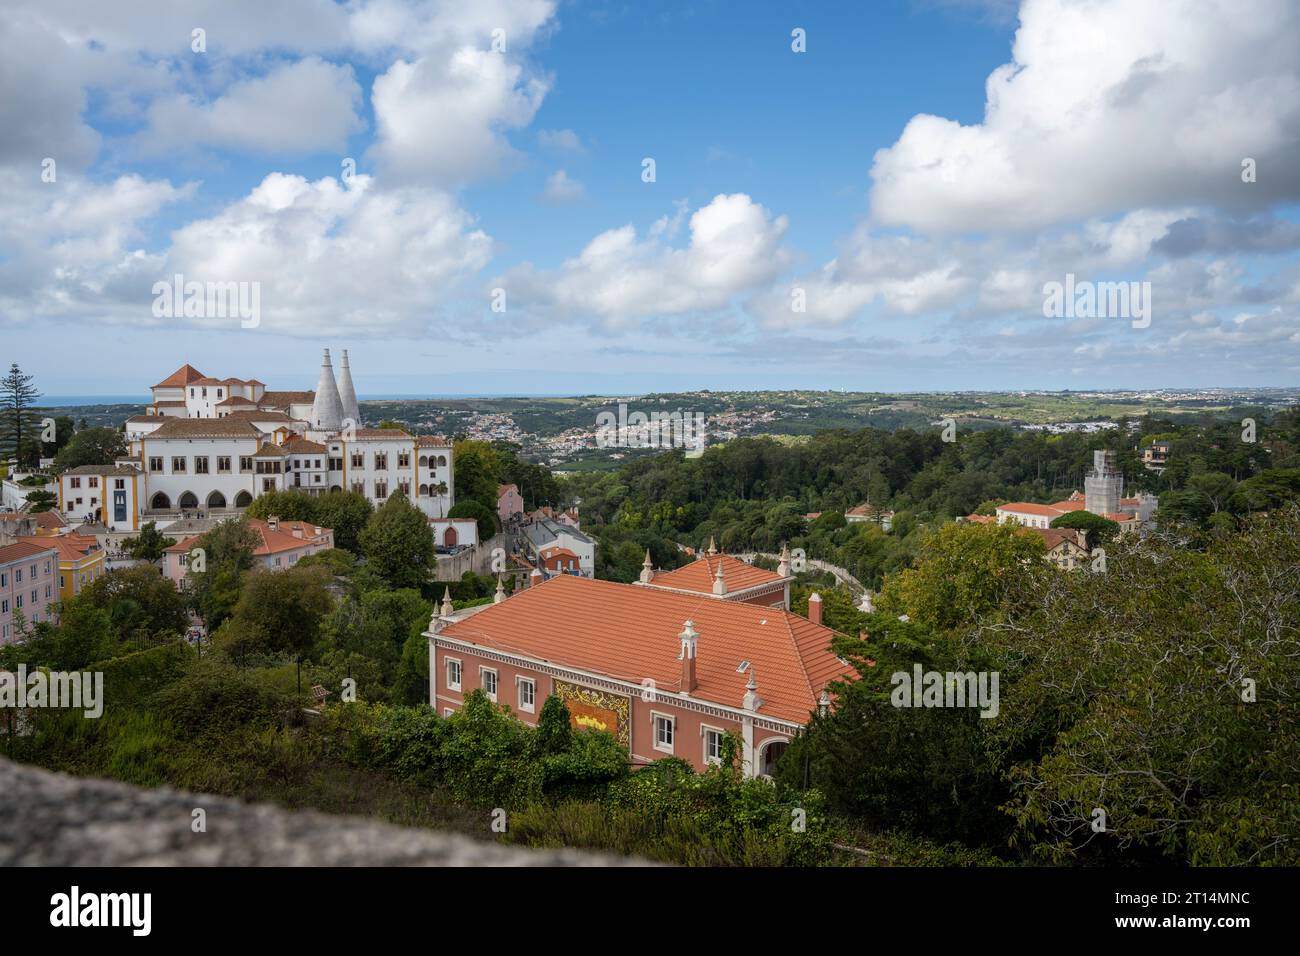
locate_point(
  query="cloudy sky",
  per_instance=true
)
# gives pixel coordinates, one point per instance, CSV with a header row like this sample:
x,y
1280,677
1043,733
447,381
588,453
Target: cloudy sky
x,y
457,192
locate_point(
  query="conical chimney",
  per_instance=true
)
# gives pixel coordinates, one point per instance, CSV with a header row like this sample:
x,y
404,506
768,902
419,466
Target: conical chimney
x,y
348,394
327,409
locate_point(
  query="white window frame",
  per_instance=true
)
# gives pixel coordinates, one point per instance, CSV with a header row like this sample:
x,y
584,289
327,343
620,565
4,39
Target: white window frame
x,y
655,717
496,682
531,706
448,711
460,672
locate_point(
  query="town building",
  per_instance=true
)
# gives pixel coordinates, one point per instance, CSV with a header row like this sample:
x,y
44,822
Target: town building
x,y
28,586
667,672
81,560
281,545
212,445
866,512
1103,490
510,504
1156,455
543,533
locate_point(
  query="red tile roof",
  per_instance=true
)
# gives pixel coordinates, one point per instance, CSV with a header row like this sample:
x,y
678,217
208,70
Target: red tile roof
x,y
630,633
272,542
21,550
181,377
699,575
71,547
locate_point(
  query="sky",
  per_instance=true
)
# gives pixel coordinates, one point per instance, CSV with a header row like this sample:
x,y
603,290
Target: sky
x,y
868,195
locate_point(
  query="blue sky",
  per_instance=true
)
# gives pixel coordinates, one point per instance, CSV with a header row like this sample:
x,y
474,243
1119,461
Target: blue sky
x,y
915,176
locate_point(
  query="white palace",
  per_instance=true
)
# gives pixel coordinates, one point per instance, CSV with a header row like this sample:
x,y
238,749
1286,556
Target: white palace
x,y
212,445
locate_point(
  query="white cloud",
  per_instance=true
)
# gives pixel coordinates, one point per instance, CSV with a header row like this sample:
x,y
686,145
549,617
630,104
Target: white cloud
x,y
734,247
560,140
445,121
1110,105
561,190
298,107
334,256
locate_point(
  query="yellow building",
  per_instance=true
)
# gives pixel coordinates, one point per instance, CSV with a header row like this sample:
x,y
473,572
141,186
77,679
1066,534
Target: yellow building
x,y
81,560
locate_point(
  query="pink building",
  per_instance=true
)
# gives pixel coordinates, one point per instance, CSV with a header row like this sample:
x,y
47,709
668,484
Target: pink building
x,y
668,673
29,585
509,503
282,544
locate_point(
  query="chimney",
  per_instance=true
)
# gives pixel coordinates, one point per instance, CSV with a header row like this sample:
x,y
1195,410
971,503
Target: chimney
x,y
501,592
815,608
446,609
751,699
647,569
713,548
273,522
783,568
535,578
824,703
688,637
719,585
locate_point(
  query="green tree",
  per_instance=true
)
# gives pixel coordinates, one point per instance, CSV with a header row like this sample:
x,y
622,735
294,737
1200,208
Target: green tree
x,y
485,517
1101,531
227,552
398,544
149,544
278,612
92,446
140,602
19,424
478,471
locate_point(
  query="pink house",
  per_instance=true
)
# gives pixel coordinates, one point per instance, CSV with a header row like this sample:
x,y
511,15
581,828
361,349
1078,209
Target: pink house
x,y
29,586
509,502
668,673
282,544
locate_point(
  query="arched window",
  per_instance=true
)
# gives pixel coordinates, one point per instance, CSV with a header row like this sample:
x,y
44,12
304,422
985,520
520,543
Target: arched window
x,y
442,461
188,500
424,491
450,538
160,502
243,499
216,500
424,461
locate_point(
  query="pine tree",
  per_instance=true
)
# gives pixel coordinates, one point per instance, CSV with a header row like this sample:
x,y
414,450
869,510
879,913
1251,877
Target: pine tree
x,y
19,429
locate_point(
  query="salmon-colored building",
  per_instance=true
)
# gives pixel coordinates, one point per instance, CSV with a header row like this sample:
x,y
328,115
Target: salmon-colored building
x,y
666,671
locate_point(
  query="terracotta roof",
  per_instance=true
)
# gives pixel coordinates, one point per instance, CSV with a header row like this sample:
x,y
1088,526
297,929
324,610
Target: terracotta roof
x,y
169,405
50,520
1070,504
116,471
260,415
699,575
303,446
20,550
506,489
432,441
272,542
630,633
287,398
203,428
556,552
181,377
381,434
237,400
71,547
144,419
982,519
1053,537
268,450
1029,508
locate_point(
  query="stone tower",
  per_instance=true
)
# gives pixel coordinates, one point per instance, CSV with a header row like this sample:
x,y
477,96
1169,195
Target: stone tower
x,y
1104,485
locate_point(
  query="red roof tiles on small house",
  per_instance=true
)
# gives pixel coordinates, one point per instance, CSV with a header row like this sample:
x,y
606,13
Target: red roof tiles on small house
x,y
185,375
700,574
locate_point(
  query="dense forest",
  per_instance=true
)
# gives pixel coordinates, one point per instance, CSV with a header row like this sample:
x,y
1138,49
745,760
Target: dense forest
x,y
754,493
